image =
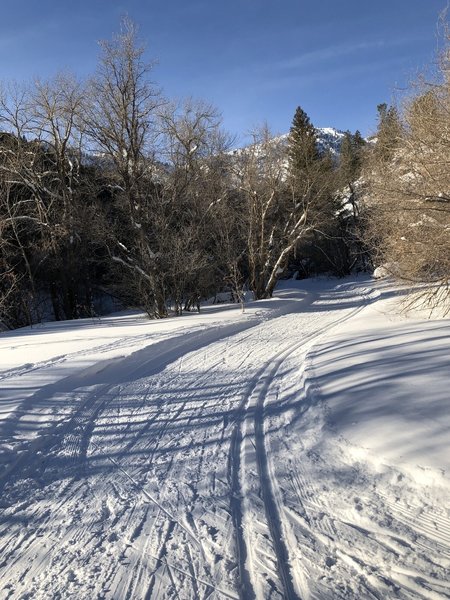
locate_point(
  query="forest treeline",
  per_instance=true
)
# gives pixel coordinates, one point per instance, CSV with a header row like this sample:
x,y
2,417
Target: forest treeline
x,y
109,190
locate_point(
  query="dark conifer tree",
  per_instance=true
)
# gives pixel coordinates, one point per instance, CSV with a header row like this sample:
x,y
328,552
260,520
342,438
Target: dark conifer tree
x,y
349,171
302,145
350,159
389,132
310,173
312,179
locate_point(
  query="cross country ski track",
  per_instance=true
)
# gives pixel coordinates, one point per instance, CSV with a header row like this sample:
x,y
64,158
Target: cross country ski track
x,y
158,475
249,447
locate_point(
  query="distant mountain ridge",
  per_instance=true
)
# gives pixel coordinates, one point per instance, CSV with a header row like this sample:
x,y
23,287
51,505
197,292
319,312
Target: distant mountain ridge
x,y
329,139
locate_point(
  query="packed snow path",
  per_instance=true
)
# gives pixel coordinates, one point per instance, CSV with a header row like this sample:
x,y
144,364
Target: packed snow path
x,y
205,465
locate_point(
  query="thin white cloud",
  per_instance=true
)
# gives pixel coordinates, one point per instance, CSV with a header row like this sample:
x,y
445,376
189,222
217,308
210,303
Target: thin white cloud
x,y
328,53
331,74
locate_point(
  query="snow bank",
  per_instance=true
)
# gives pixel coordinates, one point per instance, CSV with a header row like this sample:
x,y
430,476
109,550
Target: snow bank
x,y
298,450
385,380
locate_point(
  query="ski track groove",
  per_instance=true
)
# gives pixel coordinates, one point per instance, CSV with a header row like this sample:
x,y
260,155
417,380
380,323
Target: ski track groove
x,y
273,510
191,530
27,368
75,435
149,497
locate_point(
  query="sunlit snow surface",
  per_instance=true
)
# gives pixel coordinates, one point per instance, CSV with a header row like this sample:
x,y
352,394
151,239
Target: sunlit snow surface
x,y
299,450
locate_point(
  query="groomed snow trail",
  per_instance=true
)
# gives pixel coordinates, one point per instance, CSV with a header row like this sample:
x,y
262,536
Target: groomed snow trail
x,y
188,470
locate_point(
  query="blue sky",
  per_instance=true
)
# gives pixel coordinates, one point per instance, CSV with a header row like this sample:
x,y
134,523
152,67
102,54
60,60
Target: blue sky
x,y
256,60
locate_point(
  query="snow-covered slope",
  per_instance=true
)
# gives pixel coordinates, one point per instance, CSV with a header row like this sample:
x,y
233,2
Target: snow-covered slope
x,y
328,140
299,450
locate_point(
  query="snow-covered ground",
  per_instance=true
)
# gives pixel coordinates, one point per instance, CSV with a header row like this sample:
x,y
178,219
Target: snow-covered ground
x,y
299,450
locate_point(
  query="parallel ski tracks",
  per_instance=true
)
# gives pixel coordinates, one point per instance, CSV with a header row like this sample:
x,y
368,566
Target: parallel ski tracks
x,y
62,358
255,402
75,433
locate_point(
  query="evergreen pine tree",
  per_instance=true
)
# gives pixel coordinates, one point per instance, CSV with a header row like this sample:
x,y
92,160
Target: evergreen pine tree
x,y
358,140
349,171
302,143
389,132
350,159
312,182
309,170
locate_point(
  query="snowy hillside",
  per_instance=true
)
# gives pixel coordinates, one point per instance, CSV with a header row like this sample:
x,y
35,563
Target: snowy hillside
x,y
328,140
299,450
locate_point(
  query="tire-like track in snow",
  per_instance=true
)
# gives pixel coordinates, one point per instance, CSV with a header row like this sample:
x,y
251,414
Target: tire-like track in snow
x,y
255,400
149,439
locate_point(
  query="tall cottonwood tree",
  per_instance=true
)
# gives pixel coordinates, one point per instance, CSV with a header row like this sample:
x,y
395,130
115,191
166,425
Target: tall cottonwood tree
x,y
259,176
17,279
409,225
195,182
57,106
278,205
45,190
120,120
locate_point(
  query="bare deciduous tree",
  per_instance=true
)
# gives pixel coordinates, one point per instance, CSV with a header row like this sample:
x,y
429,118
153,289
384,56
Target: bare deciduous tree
x,y
194,186
41,170
120,122
410,207
281,208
